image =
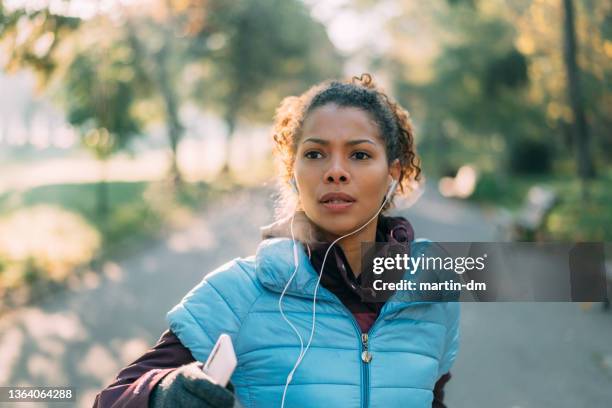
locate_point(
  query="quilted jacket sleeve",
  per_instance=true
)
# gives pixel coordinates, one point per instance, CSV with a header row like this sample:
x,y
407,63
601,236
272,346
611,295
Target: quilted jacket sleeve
x,y
224,297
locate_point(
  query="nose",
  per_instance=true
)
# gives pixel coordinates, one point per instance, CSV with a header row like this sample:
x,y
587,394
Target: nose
x,y
336,173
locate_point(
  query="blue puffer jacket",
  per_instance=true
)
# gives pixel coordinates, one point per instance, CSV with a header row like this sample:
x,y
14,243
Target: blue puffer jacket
x,y
411,344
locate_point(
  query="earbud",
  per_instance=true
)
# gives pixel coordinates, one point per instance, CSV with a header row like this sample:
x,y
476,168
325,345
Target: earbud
x,y
391,190
294,185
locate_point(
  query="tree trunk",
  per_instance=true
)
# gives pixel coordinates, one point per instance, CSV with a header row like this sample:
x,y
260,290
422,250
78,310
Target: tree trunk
x,y
102,205
231,127
174,126
159,73
584,160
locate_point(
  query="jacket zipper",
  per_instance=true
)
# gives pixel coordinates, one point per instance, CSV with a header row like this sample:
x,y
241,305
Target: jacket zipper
x,y
364,342
365,356
364,353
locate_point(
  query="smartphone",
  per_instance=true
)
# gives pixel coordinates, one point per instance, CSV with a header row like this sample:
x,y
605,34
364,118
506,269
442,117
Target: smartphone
x,y
222,361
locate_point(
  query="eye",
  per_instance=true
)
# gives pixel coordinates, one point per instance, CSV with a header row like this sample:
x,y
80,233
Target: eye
x,y
361,155
312,154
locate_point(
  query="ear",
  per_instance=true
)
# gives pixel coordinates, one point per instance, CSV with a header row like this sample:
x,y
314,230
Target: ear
x,y
395,170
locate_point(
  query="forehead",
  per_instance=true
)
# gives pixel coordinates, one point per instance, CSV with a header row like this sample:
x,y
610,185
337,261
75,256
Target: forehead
x,y
340,122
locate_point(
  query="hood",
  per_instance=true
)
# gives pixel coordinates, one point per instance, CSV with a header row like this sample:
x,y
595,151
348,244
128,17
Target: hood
x,y
274,267
305,231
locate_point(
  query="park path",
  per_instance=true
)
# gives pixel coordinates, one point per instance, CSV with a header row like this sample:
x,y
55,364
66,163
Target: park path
x,y
512,355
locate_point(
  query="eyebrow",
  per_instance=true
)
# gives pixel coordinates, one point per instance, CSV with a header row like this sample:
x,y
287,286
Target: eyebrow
x,y
326,142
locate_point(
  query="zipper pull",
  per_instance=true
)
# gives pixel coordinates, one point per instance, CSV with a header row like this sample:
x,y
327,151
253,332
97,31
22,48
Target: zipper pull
x,y
366,356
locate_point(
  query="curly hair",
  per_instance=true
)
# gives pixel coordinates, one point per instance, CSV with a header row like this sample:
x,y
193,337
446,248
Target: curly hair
x,y
393,121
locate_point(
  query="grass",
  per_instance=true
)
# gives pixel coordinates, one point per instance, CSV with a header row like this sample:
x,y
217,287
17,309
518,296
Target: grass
x,y
129,215
572,219
64,214
132,205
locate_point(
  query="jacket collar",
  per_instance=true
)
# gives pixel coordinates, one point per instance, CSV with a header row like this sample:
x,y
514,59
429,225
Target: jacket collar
x,y
274,267
275,264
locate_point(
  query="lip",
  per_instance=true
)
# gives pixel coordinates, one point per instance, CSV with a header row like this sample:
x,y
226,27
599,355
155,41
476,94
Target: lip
x,y
337,196
346,201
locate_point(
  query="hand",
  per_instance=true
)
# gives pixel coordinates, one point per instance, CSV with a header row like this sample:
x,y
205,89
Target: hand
x,y
188,386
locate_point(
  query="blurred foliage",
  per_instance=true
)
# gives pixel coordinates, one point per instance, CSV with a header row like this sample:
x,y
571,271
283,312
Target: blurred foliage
x,y
575,220
141,65
33,38
100,100
266,50
490,74
43,242
487,83
571,219
530,156
119,72
79,199
52,233
271,48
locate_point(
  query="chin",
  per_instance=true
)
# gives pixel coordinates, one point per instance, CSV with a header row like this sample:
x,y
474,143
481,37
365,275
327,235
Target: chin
x,y
340,224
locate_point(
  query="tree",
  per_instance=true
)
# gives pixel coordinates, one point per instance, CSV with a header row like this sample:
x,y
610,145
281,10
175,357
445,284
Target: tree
x,y
235,57
94,69
257,52
31,39
245,55
584,161
160,61
470,93
99,98
482,77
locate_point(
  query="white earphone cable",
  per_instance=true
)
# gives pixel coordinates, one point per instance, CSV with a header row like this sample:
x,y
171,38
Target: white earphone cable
x,y
314,299
280,308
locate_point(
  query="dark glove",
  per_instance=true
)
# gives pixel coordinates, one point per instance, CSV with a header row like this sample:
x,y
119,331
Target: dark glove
x,y
188,386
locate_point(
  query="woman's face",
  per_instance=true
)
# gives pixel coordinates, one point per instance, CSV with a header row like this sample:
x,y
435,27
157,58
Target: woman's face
x,y
341,168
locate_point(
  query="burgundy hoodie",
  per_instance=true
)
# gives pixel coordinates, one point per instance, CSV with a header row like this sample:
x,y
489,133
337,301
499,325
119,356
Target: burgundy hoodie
x,y
134,383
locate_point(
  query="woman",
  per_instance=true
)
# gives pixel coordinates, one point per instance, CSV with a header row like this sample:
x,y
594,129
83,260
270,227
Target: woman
x,y
342,147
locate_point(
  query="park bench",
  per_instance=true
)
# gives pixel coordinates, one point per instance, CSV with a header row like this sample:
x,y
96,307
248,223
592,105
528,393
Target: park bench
x,y
527,224
537,206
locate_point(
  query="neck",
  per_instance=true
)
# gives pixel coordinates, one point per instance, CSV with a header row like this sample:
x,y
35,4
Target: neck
x,y
351,245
